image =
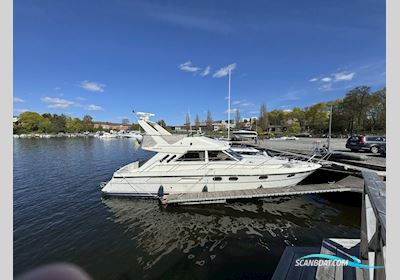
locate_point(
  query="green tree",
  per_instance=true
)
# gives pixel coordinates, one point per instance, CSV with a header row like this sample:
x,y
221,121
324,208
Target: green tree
x,y
187,123
356,103
263,120
376,113
197,122
209,121
295,127
74,125
135,126
162,123
88,123
238,122
276,117
299,115
317,116
30,122
45,126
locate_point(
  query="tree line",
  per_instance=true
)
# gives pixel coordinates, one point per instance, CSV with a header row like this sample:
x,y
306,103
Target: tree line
x,y
32,122
359,111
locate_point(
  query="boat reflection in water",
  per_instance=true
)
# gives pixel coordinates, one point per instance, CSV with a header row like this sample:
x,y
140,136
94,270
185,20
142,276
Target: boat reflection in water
x,y
248,235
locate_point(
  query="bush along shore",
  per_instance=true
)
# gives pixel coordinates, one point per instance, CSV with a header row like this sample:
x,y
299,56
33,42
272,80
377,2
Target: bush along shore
x,y
58,135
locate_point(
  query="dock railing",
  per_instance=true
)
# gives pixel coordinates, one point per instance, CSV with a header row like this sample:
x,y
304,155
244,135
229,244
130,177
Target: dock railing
x,y
373,226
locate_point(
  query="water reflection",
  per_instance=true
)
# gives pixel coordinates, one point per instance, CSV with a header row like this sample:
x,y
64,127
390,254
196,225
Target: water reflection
x,y
206,230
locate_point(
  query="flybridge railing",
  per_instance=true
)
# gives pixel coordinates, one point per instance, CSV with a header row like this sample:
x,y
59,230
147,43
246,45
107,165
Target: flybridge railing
x,y
150,140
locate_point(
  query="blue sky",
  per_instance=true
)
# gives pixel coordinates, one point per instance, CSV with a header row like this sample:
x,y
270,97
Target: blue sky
x,y
105,58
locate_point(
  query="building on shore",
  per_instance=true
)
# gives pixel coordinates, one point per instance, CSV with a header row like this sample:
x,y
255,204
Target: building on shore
x,y
109,125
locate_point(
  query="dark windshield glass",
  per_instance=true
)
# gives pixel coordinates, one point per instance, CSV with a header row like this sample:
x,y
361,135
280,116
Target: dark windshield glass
x,y
193,156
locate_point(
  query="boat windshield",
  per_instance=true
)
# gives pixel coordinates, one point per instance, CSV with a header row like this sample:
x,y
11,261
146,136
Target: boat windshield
x,y
234,154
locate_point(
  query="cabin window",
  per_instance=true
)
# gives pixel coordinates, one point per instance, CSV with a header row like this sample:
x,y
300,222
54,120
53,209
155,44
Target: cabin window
x,y
290,175
217,156
263,177
171,158
193,156
164,158
217,178
234,154
233,178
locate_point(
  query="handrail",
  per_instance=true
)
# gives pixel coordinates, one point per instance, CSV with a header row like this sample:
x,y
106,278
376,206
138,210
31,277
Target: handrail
x,y
375,188
373,225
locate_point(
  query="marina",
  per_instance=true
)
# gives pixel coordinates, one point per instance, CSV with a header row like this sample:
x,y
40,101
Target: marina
x,y
203,238
196,140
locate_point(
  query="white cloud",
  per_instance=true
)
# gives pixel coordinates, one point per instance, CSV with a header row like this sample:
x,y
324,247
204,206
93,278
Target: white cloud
x,y
93,107
326,87
206,71
188,67
18,100
242,103
222,72
333,78
58,106
92,86
57,103
326,79
344,76
233,110
80,98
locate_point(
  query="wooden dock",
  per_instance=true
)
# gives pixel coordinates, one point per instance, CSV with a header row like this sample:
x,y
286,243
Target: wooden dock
x,y
343,248
370,248
348,184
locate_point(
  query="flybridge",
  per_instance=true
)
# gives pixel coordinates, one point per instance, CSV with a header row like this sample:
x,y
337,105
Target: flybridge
x,y
159,139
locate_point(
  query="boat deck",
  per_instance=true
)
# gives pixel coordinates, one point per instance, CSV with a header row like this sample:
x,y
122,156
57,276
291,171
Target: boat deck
x,y
343,248
349,184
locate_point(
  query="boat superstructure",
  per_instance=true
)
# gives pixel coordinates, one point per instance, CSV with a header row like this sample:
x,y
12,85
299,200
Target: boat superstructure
x,y
185,164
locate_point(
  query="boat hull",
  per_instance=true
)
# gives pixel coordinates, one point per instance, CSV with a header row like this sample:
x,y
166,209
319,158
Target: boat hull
x,y
150,186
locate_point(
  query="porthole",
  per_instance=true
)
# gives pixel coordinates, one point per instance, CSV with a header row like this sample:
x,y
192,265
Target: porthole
x,y
233,178
263,177
290,175
217,178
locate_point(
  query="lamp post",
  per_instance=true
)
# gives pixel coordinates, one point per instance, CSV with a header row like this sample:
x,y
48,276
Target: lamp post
x,y
229,104
330,130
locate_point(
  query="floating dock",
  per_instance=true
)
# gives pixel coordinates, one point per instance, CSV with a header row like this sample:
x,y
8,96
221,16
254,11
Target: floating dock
x,y
342,248
370,249
348,184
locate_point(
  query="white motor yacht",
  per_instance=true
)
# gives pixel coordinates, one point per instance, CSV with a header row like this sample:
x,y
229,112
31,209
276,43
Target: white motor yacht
x,y
132,134
196,164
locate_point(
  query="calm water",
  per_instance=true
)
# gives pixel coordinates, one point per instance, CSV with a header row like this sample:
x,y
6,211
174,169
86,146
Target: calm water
x,y
59,215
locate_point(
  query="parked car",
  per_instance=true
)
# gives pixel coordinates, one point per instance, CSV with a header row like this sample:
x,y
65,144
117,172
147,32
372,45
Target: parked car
x,y
382,149
366,143
305,134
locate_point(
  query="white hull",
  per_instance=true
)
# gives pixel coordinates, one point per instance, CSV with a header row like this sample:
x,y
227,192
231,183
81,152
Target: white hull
x,y
149,186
